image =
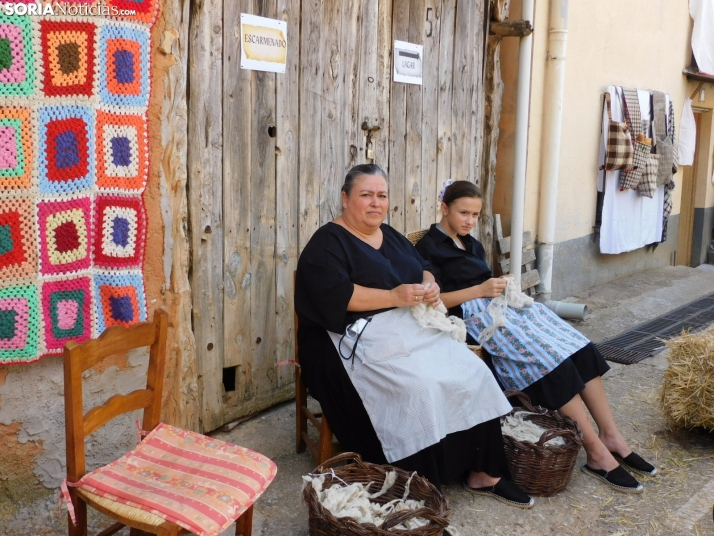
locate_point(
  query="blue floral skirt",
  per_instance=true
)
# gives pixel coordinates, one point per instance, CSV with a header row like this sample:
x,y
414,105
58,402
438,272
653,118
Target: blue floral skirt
x,y
533,342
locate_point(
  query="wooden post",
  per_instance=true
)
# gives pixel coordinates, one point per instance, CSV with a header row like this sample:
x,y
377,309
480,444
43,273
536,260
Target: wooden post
x,y
182,401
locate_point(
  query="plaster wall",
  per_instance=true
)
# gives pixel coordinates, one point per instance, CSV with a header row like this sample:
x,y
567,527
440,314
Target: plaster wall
x,y
609,42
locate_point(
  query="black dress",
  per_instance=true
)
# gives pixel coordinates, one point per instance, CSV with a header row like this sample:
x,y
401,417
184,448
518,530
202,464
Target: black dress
x,y
457,269
331,264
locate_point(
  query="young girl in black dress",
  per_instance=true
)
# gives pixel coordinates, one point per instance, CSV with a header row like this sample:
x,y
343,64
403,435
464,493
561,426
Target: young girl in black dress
x,y
536,351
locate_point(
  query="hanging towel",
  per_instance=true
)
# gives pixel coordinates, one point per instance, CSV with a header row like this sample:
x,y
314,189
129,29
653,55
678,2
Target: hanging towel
x,y
702,11
687,135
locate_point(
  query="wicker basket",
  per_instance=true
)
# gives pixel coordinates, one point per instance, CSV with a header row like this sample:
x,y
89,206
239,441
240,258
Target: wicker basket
x,y
323,523
538,469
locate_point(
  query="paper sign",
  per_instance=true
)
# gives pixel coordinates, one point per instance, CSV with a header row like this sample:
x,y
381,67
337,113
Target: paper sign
x,y
264,43
407,62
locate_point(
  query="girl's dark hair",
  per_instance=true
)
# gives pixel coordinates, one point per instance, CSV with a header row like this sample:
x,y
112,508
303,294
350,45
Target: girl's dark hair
x,y
359,171
460,189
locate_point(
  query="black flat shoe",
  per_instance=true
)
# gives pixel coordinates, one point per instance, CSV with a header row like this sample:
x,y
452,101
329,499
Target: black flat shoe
x,y
618,479
637,464
504,491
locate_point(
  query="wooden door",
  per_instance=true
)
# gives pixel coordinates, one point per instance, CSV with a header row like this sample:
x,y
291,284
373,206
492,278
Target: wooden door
x,y
686,213
268,154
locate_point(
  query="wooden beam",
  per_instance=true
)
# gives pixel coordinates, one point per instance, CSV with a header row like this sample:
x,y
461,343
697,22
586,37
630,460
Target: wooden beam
x,y
528,256
504,244
512,28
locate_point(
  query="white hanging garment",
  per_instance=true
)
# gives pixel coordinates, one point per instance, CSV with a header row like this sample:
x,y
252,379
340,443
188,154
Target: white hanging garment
x,y
687,135
629,220
702,11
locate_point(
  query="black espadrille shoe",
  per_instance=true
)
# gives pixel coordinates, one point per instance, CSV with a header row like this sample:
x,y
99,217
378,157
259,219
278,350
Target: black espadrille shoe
x,y
505,491
618,479
636,463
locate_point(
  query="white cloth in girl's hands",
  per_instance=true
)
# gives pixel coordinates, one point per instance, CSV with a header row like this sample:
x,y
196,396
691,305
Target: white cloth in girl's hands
x,y
512,297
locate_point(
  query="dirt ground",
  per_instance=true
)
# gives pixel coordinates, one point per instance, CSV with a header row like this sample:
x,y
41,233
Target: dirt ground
x,y
676,502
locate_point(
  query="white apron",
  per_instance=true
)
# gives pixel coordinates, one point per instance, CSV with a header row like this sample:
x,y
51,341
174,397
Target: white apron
x,y
417,385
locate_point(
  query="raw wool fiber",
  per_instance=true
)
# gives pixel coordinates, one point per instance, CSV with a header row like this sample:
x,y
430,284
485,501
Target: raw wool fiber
x,y
74,95
435,318
353,500
520,428
512,297
687,398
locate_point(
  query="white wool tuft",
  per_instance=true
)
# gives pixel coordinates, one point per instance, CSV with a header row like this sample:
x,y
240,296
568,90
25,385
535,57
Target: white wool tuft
x,y
513,297
353,500
521,429
435,317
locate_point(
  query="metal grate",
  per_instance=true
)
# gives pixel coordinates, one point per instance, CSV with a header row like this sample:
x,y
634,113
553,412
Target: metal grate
x,y
645,341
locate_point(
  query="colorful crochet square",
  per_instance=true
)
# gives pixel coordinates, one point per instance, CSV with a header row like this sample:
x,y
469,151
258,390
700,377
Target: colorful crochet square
x,y
120,299
16,148
17,56
119,232
143,10
18,251
123,66
67,57
65,235
122,152
66,144
19,324
67,311
74,164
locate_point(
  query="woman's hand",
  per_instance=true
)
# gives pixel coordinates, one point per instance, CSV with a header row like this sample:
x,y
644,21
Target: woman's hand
x,y
493,287
407,295
431,293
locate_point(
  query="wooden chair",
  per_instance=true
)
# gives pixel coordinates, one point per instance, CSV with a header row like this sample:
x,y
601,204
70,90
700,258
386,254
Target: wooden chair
x,y
529,275
79,425
323,448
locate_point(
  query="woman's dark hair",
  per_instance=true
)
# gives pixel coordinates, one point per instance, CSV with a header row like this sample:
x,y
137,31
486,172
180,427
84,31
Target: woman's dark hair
x,y
359,171
460,189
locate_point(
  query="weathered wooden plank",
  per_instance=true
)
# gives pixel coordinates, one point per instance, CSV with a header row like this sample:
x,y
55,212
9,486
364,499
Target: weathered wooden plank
x,y
349,62
504,244
397,126
311,31
237,121
447,22
263,233
477,15
500,9
205,189
430,114
511,28
331,122
181,403
493,91
463,79
414,124
288,179
385,43
530,279
497,227
528,257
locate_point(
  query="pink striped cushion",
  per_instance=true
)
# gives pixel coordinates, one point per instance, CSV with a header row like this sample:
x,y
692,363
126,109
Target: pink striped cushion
x,y
195,481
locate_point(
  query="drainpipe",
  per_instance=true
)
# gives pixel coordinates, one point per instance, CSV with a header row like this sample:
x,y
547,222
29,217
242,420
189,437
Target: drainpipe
x,y
552,121
521,143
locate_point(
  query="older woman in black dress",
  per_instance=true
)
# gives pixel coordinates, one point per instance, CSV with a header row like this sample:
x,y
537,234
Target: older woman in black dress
x,y
392,391
536,351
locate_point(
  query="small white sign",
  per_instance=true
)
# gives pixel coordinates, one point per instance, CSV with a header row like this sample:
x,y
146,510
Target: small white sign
x,y
408,62
263,43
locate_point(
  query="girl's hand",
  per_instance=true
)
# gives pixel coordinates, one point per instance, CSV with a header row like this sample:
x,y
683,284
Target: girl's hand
x,y
407,295
493,287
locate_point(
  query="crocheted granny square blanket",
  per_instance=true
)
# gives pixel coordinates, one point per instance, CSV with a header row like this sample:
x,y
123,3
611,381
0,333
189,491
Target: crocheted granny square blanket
x,y
74,161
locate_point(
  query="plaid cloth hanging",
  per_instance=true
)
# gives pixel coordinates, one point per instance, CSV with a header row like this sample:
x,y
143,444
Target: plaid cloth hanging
x,y
630,178
618,153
